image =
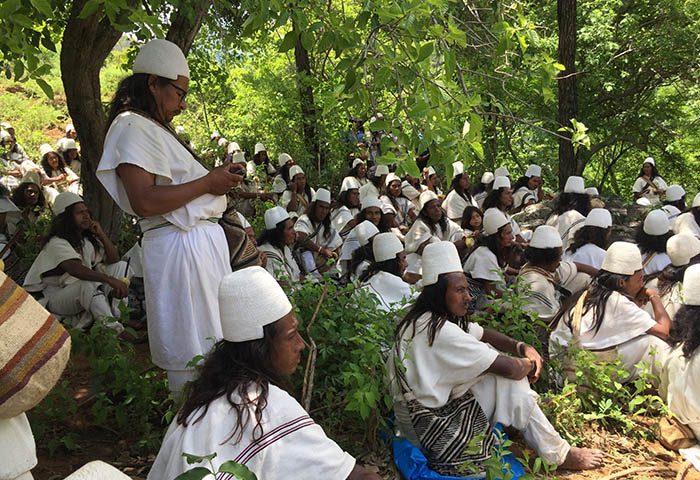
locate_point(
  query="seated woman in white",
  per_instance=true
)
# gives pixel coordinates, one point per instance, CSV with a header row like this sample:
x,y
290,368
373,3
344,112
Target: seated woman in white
x,y
689,222
79,267
393,195
489,262
570,209
482,189
370,211
589,243
358,171
527,190
501,197
384,276
284,162
277,241
458,197
315,234
454,383
607,318
343,216
651,240
649,185
375,185
680,375
684,251
298,194
237,407
432,225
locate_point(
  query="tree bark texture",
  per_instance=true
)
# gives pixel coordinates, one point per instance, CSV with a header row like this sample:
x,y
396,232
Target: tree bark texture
x,y
568,101
186,22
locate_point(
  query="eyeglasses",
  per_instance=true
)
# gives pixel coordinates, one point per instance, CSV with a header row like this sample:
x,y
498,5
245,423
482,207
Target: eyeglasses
x,y
181,93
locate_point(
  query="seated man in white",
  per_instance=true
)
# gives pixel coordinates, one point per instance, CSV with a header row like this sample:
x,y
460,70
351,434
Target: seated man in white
x,y
384,276
237,407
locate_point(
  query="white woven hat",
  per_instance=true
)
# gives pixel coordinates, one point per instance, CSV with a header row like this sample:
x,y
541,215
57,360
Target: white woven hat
x,y
249,299
357,162
592,191
386,246
232,147
70,128
493,220
431,172
4,134
69,144
649,160
214,135
426,197
364,232
681,248
295,170
457,169
487,177
222,142
163,58
656,223
32,176
674,193
97,469
388,208
274,216
349,183
546,236
5,125
45,148
238,157
533,171
691,285
501,172
283,158
671,211
598,217
392,177
321,195
622,258
381,170
501,182
574,184
409,191
696,201
369,202
259,147
65,200
439,258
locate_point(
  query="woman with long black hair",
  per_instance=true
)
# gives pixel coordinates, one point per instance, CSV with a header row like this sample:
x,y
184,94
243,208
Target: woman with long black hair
x,y
458,198
481,190
649,186
451,383
570,209
592,240
651,239
277,241
527,190
393,195
384,277
316,237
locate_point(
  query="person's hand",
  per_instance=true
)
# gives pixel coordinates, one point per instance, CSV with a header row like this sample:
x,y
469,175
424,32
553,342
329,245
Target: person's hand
x,y
222,179
96,228
326,252
531,354
119,288
267,196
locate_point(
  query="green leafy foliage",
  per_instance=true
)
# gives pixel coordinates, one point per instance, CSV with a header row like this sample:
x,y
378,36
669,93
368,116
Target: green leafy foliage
x,y
239,471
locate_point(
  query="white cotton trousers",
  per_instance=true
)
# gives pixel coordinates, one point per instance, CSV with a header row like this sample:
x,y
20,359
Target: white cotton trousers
x,y
182,271
644,348
17,448
514,403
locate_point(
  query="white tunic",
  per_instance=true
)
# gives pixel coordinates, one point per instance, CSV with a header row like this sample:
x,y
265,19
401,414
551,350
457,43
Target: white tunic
x,y
685,223
292,445
390,290
482,264
185,261
672,300
588,254
680,387
368,190
420,232
655,262
341,216
402,213
567,224
640,184
281,264
479,199
521,195
17,447
454,205
304,225
56,251
302,201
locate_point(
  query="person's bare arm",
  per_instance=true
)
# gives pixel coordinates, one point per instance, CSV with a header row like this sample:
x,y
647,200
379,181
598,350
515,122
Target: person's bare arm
x,y
583,268
504,343
663,321
76,268
361,473
148,199
510,367
111,252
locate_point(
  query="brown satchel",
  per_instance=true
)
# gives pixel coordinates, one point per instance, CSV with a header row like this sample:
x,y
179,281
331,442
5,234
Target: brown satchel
x,y
675,435
242,252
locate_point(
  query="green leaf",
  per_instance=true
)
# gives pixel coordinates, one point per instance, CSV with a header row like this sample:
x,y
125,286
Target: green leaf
x,y
192,458
425,51
90,8
23,20
197,473
43,6
307,40
8,7
19,69
240,471
48,91
288,42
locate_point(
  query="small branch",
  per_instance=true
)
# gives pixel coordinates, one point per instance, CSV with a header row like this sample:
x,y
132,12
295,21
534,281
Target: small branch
x,y
308,385
683,471
634,471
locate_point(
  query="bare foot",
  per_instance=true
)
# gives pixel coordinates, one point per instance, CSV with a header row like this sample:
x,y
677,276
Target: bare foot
x,y
582,459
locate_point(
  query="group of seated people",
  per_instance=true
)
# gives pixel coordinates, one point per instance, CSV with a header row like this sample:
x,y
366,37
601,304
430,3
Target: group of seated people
x,y
441,256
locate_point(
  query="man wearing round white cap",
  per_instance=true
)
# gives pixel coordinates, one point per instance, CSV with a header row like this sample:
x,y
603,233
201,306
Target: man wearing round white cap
x,y
298,194
458,198
680,375
343,216
651,239
277,241
370,211
689,222
455,382
384,276
590,242
649,185
375,185
260,157
152,174
316,237
284,163
78,270
570,209
404,208
482,190
607,319
237,408
675,195
355,263
528,189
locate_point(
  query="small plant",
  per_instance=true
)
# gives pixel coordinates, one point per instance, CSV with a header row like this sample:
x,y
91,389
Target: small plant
x,y
239,471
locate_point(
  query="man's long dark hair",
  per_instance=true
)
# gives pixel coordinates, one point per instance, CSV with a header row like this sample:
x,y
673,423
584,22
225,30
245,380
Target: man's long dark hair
x,y
326,222
670,276
685,329
431,299
433,225
464,193
18,196
589,234
651,243
274,237
63,226
133,94
492,243
389,266
242,368
493,200
581,202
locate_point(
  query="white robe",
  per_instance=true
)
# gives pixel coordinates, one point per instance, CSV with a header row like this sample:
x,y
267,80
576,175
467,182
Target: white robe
x,y
685,223
672,300
567,224
640,184
482,264
184,261
281,265
391,291
17,447
454,206
588,254
521,195
402,213
293,446
302,201
420,233
656,263
368,190
341,216
680,387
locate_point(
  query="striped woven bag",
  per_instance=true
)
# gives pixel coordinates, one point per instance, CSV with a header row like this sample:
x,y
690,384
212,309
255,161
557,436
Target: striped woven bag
x,y
34,350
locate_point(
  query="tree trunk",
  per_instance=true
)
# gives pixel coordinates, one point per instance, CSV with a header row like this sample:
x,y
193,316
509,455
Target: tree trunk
x,y
309,113
184,25
568,101
86,44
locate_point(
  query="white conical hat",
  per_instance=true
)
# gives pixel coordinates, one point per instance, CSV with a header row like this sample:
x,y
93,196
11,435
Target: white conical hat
x,y
501,172
283,158
386,246
214,135
533,171
592,191
222,142
249,299
696,201
45,148
622,258
238,157
598,217
70,128
259,147
364,232
439,258
649,160
409,190
274,216
163,58
426,197
487,177
321,195
656,223
674,193
381,170
392,177
457,169
69,144
431,172
501,182
691,285
575,184
95,470
493,220
681,248
349,183
232,147
295,170
546,236
357,162
369,202
65,200
671,211
388,208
